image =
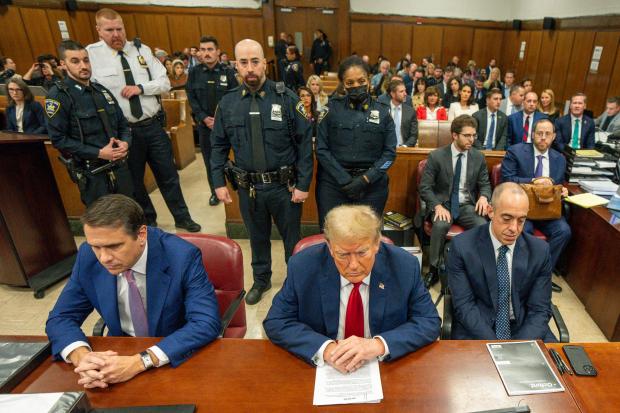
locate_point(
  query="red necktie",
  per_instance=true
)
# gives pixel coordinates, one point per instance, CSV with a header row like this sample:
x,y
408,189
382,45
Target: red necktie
x,y
526,128
354,321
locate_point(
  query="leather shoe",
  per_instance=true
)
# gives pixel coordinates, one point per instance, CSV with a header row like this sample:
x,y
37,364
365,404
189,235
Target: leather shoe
x,y
556,288
430,279
189,225
256,293
213,201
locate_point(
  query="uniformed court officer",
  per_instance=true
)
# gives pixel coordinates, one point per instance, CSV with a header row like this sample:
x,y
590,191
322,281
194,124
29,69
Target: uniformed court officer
x,y
87,126
136,79
265,125
206,84
356,144
294,70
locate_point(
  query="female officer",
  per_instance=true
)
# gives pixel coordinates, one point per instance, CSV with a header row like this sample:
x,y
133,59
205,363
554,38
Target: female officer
x,y
294,70
356,144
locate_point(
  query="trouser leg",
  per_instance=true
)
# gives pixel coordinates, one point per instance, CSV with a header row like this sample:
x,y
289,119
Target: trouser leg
x,y
137,164
258,224
328,196
438,237
204,135
287,217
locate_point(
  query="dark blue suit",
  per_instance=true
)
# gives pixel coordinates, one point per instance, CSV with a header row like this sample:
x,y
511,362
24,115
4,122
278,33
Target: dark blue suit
x,y
472,276
305,313
515,126
519,166
181,302
33,119
564,136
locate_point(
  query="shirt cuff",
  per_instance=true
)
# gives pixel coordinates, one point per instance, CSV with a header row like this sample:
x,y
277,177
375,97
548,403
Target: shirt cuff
x,y
161,356
317,359
387,349
67,350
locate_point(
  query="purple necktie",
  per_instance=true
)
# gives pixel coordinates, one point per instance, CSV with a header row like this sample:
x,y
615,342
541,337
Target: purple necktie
x,y
136,307
539,167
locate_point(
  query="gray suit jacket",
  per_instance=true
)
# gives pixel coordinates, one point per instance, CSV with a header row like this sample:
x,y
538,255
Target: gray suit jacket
x,y
408,123
614,125
501,130
436,185
504,106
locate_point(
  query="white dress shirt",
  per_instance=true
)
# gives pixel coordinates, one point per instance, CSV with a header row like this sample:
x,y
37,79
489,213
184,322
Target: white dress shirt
x,y
432,114
457,110
463,194
19,116
509,254
397,116
124,313
108,71
345,291
531,127
545,161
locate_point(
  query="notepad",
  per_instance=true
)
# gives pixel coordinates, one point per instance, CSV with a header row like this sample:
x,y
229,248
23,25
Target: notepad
x,y
589,153
586,200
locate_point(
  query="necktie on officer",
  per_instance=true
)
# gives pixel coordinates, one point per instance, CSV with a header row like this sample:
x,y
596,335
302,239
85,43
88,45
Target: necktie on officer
x,y
491,136
502,321
454,196
575,141
258,146
539,167
134,101
136,307
354,319
526,128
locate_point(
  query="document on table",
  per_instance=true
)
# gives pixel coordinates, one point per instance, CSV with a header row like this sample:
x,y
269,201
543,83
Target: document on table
x,y
361,386
586,200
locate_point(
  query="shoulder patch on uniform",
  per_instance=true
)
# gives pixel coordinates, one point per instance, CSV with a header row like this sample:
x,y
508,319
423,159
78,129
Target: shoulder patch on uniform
x,y
301,109
51,107
322,113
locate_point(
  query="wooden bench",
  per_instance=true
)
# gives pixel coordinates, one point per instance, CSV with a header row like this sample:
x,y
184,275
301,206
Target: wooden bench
x,y
180,131
433,133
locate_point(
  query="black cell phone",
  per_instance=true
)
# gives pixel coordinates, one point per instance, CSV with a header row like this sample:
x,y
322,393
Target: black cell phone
x,y
579,361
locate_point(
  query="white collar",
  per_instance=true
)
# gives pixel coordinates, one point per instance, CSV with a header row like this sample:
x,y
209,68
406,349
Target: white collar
x,y
537,152
455,151
140,265
497,244
573,117
344,282
489,113
393,106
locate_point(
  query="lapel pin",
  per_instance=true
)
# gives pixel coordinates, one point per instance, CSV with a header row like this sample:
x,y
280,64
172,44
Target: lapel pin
x,y
381,286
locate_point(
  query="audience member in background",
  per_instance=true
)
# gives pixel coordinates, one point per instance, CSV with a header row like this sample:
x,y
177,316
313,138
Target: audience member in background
x,y
382,74
385,96
521,124
290,40
224,59
24,114
402,67
431,110
455,188
47,75
8,69
366,59
492,127
280,51
527,84
179,77
419,88
468,79
466,104
426,60
405,121
409,77
609,121
494,80
509,81
320,53
431,73
483,74
310,107
168,66
575,129
193,57
492,64
315,84
452,95
375,68
294,70
160,54
514,103
444,85
471,68
480,93
546,105
454,62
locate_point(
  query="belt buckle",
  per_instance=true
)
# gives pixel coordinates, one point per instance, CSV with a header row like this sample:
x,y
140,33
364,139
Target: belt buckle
x,y
265,177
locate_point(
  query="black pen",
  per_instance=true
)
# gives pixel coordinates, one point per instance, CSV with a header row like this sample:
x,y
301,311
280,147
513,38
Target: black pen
x,y
564,365
556,359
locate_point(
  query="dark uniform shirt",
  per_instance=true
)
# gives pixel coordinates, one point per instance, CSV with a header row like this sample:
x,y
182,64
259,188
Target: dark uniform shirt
x,y
286,133
321,49
205,88
294,75
352,137
63,113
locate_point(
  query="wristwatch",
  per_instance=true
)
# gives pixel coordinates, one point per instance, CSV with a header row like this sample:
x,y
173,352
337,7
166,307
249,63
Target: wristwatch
x,y
147,360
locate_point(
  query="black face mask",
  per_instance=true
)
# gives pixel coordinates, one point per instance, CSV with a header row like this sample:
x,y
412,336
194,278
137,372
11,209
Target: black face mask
x,y
357,94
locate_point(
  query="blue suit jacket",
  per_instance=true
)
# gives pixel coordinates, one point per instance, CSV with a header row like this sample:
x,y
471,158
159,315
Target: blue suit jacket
x,y
563,129
515,126
181,302
519,163
34,120
305,313
472,278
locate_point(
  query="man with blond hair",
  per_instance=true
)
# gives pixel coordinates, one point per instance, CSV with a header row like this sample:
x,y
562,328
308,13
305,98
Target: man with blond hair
x,y
352,299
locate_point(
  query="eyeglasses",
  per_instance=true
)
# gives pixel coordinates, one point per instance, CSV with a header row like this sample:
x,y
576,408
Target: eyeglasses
x,y
469,135
543,134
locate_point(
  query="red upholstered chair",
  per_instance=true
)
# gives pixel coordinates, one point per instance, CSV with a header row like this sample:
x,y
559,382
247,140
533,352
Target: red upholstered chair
x,y
320,238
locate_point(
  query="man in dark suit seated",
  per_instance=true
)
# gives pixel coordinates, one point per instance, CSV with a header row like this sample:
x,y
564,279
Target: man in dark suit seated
x,y
575,129
352,299
455,187
405,120
499,277
520,124
492,127
145,283
609,121
480,93
542,165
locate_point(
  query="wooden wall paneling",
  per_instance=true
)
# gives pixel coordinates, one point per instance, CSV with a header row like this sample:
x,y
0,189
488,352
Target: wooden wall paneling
x,y
457,41
614,81
53,17
184,31
579,63
269,29
519,65
510,50
598,83
39,33
130,26
83,27
366,39
487,45
545,59
561,61
247,28
427,41
153,30
531,69
221,28
344,26
395,41
14,40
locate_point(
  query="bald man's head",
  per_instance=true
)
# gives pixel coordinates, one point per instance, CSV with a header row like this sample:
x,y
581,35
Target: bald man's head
x,y
251,63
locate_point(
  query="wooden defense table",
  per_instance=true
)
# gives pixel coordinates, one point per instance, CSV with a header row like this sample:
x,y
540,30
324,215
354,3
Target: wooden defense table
x,y
235,375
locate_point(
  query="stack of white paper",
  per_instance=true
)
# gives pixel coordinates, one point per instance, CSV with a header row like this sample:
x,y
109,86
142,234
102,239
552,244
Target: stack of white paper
x,y
603,187
361,386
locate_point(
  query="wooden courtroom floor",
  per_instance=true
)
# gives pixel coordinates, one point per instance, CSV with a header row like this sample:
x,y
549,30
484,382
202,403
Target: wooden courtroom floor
x,y
23,314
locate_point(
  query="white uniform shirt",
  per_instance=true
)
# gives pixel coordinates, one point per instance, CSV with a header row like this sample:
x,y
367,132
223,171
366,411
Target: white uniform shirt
x,y
108,71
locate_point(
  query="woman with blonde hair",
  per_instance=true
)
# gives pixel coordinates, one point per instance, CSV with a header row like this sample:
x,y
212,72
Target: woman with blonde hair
x,y
546,104
315,84
494,80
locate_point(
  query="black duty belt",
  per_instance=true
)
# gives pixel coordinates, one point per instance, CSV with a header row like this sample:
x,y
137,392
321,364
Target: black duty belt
x,y
143,123
356,171
264,177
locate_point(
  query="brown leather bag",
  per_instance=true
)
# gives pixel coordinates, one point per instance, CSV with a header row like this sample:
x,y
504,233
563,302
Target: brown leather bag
x,y
545,201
